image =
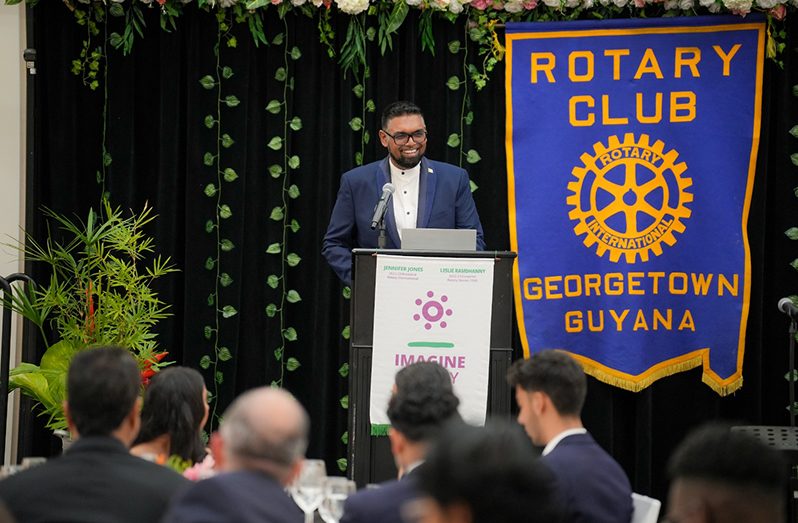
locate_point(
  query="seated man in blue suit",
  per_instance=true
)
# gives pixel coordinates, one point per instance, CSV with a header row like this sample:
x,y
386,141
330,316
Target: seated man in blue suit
x,y
422,404
550,388
428,194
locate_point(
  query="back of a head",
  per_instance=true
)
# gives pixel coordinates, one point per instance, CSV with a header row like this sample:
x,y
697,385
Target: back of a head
x,y
102,387
424,401
492,471
554,373
174,405
399,108
732,474
266,429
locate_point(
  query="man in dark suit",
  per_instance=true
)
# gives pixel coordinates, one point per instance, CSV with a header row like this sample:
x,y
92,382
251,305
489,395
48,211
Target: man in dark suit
x,y
428,194
259,448
96,480
422,404
550,388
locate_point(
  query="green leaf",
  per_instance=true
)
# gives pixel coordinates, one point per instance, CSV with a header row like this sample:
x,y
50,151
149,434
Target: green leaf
x,y
794,131
472,156
794,264
274,248
370,107
792,233
275,170
356,123
219,377
114,9
230,175
273,106
293,259
290,334
209,120
275,144
231,100
366,136
294,226
295,124
280,75
794,158
271,310
345,332
225,280
454,46
208,159
346,292
278,39
228,311
272,281
232,42
210,263
345,438
469,117
344,370
226,245
358,158
292,296
344,402
207,331
795,90
472,185
453,83
210,190
342,463
224,211
293,192
454,140
207,81
278,353
227,141
358,91
791,376
371,33
205,361
296,54
293,162
209,226
277,214
224,354
292,364
227,73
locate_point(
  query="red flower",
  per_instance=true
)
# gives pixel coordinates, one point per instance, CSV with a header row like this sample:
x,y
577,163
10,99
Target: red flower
x,y
148,371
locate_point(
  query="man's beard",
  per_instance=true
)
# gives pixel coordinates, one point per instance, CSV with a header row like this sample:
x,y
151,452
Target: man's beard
x,y
405,163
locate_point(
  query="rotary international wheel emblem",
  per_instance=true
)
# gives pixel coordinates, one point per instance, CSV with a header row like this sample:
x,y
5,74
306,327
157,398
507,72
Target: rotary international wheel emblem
x,y
629,198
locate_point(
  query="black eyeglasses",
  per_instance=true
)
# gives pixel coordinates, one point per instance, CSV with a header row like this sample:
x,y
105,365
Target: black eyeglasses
x,y
419,136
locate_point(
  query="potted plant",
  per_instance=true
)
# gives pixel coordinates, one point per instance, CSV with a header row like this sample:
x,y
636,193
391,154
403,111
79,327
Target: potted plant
x,y
99,293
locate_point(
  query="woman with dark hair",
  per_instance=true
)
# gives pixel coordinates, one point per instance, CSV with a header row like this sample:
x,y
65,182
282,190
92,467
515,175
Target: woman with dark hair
x,y
175,410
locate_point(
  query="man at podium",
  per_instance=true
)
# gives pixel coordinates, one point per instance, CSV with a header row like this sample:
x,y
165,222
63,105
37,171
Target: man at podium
x,y
409,190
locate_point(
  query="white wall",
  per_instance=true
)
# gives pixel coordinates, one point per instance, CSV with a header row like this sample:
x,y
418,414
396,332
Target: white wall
x,y
12,161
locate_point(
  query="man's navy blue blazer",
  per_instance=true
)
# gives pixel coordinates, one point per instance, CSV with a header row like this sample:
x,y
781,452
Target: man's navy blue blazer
x,y
592,486
382,504
444,202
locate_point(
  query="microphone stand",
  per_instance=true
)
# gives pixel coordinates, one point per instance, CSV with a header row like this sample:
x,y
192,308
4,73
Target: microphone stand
x,y
382,239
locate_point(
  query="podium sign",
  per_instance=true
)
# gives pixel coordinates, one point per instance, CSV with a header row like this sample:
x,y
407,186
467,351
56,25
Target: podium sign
x,y
432,309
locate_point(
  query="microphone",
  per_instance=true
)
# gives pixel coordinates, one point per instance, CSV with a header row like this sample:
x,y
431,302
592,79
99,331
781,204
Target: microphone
x,y
787,307
382,205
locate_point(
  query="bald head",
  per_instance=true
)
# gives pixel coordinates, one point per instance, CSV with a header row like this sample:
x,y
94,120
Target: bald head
x,y
265,429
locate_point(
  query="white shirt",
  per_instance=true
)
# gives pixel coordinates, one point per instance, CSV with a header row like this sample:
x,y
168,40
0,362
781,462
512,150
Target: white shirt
x,y
405,198
561,436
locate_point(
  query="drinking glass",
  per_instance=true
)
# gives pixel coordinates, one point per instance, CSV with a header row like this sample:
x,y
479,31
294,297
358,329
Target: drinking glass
x,y
336,490
308,488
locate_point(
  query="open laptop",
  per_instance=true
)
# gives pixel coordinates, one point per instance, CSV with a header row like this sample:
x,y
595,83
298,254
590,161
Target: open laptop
x,y
439,239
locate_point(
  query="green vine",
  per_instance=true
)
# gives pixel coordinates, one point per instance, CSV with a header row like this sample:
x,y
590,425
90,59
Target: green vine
x,y
792,233
87,66
222,211
343,372
455,83
281,172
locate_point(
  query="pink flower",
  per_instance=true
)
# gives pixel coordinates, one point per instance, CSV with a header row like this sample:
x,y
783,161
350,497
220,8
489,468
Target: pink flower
x,y
640,4
530,4
481,5
778,12
276,2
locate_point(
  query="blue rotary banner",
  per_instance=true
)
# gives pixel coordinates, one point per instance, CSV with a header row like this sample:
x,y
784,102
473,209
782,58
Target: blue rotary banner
x,y
631,153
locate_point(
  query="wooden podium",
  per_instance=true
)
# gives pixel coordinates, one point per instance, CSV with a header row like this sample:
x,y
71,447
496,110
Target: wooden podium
x,y
370,459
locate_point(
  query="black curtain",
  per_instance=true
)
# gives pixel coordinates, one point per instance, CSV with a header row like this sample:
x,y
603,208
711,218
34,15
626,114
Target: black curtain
x,y
157,139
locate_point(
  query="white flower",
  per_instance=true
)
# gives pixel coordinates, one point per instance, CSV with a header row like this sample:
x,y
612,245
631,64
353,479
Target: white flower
x,y
714,8
353,7
767,4
317,3
686,5
620,3
741,6
588,4
442,5
514,6
298,2
552,3
413,3
671,4
227,3
455,7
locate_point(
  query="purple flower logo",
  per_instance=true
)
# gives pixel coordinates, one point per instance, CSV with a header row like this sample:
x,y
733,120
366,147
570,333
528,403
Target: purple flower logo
x,y
432,311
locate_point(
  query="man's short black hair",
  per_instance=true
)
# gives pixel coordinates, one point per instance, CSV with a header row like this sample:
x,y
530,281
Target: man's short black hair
x,y
716,454
400,108
424,401
554,373
493,471
102,387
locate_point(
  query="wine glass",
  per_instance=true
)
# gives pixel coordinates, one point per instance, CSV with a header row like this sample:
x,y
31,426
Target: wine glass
x,y
308,487
336,490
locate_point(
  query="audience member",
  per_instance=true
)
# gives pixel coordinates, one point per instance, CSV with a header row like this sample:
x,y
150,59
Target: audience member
x,y
97,479
550,388
259,448
174,412
723,476
422,403
485,475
